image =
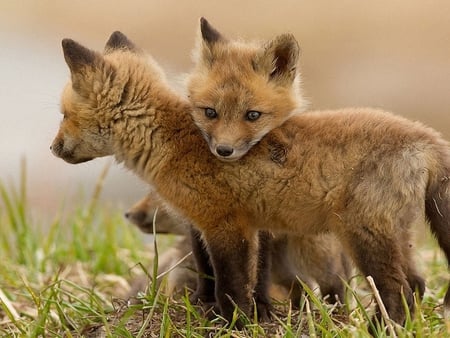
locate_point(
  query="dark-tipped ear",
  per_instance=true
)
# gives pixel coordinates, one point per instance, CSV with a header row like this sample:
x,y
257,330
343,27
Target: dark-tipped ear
x,y
118,40
209,34
208,38
279,58
77,56
83,63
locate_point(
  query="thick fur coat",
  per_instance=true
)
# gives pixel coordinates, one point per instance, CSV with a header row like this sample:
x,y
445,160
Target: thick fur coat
x,y
363,174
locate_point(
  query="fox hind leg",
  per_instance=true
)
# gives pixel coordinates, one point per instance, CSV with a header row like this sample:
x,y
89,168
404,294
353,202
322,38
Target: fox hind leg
x,y
416,282
378,255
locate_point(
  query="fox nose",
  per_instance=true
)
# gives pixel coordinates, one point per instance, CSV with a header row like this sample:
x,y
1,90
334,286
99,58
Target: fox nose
x,y
56,146
136,217
224,150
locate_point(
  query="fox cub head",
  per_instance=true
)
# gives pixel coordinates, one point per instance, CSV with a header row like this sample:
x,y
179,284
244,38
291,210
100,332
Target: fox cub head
x,y
241,91
96,97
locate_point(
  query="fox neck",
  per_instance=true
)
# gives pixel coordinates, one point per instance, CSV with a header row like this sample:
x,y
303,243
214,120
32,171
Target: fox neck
x,y
144,138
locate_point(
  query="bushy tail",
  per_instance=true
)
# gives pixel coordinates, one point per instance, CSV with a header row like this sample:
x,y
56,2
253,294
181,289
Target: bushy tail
x,y
437,210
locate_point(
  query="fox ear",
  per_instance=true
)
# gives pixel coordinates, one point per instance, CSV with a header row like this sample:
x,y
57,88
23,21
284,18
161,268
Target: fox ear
x,y
207,42
278,60
210,35
82,63
77,56
117,41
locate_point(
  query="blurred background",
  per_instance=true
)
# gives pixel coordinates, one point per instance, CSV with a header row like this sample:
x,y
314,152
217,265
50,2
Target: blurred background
x,y
389,54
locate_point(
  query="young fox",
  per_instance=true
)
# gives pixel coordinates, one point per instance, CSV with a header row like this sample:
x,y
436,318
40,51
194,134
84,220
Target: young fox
x,y
259,87
317,259
362,174
232,84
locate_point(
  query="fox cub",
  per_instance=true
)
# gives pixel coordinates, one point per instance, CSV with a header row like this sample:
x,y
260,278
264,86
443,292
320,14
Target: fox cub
x,y
259,87
244,90
363,174
318,260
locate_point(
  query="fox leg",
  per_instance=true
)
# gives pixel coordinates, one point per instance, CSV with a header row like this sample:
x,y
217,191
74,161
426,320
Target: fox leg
x,y
233,254
322,258
416,282
263,304
332,290
205,274
285,271
378,255
336,270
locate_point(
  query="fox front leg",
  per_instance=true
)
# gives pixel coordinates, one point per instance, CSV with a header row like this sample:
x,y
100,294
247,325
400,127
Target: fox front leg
x,y
205,274
234,256
262,299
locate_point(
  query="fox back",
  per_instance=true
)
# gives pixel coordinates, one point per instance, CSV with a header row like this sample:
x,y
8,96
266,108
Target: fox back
x,y
258,85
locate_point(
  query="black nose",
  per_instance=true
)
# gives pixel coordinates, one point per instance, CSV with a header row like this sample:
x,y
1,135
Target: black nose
x,y
57,147
224,150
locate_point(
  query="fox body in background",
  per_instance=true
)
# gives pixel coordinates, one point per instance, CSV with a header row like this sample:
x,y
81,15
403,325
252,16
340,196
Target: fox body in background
x,y
362,174
315,259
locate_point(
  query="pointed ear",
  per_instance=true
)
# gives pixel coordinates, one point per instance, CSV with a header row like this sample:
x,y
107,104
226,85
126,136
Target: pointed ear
x,y
77,56
117,41
206,43
82,63
210,35
279,58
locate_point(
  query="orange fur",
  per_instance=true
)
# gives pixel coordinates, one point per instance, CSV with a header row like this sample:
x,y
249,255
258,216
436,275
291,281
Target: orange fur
x,y
362,174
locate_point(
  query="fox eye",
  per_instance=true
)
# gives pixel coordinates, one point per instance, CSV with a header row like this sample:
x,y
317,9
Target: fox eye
x,y
253,115
210,113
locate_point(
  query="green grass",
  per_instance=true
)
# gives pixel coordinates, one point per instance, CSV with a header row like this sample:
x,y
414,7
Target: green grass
x,y
62,276
70,277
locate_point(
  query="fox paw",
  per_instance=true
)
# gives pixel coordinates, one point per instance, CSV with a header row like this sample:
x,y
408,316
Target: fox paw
x,y
201,298
264,309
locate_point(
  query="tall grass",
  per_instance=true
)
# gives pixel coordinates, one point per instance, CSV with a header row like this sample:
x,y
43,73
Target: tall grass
x,y
60,277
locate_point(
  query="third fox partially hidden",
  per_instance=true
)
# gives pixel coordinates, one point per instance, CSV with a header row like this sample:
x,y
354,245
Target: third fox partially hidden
x,y
363,174
314,259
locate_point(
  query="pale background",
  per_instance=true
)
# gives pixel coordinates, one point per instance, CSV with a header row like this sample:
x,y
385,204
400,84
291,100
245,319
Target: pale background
x,y
389,54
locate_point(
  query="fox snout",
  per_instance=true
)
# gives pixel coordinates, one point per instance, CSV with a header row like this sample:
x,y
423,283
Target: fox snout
x,y
142,215
57,147
142,219
227,152
60,149
136,217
